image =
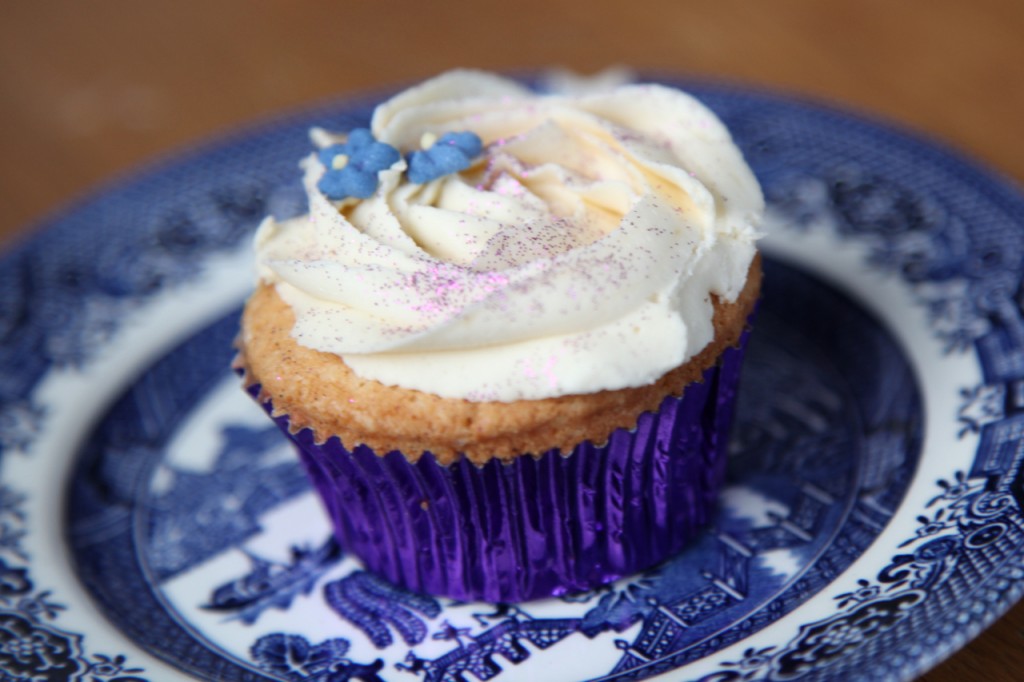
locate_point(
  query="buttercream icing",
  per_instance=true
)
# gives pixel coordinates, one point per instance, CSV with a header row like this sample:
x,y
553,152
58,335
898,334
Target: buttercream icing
x,y
578,252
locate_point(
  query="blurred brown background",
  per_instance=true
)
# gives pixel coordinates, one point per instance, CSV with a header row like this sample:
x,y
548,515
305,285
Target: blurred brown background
x,y
89,90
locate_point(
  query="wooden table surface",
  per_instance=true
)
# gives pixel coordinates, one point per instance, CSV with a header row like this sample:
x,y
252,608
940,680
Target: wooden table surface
x,y
89,90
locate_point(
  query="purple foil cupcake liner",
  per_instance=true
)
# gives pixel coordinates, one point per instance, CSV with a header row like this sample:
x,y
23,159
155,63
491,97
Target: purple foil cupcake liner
x,y
537,526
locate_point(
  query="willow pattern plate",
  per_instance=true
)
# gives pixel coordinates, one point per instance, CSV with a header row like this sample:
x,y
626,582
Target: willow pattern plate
x,y
153,525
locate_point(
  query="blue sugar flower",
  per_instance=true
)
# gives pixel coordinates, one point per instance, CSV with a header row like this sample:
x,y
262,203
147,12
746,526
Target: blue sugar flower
x,y
451,153
355,175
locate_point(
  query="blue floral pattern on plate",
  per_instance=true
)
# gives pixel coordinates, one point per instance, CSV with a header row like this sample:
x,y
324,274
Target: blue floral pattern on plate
x,y
874,501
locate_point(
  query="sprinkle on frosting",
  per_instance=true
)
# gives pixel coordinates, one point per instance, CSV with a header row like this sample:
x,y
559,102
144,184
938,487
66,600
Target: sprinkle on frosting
x,y
352,167
450,153
556,244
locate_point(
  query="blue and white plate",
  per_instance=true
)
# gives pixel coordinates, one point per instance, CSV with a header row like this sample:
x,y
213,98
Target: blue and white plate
x,y
154,525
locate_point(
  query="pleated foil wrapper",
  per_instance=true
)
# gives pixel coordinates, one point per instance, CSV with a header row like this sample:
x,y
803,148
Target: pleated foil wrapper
x,y
539,525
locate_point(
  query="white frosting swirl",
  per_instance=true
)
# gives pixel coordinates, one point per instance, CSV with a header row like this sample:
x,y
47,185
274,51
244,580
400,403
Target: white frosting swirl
x,y
579,253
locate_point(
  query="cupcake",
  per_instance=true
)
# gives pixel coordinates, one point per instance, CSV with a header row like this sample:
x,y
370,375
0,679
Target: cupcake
x,y
506,338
